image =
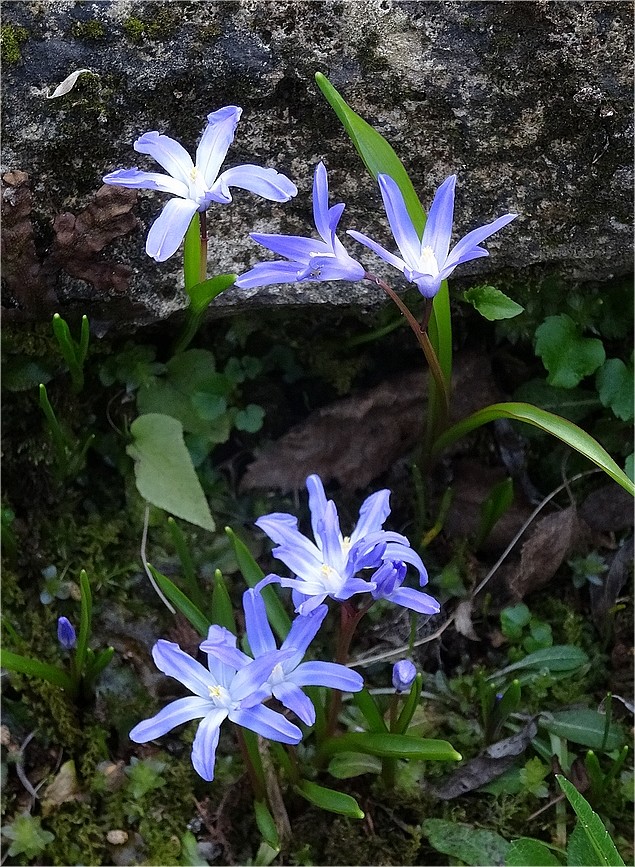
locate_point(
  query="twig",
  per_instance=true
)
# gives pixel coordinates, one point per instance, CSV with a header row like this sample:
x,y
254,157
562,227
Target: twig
x,y
379,657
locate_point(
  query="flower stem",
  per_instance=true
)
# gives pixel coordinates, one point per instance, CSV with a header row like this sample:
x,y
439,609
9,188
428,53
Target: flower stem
x,y
203,257
349,618
421,333
254,778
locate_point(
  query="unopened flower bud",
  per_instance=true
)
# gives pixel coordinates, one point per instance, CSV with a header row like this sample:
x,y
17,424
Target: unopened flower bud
x,y
403,673
66,633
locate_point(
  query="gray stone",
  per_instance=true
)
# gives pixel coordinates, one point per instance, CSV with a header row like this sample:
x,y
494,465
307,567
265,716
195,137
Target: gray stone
x,y
529,103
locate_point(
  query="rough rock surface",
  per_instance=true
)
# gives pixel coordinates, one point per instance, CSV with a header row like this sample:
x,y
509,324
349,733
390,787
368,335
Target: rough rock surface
x,y
530,103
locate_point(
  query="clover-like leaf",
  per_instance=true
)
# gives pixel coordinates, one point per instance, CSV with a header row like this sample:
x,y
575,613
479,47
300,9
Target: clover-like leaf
x,y
614,383
250,418
491,303
567,356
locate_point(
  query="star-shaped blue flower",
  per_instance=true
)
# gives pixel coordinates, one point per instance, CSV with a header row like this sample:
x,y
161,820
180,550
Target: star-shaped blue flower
x,y
308,258
428,262
195,185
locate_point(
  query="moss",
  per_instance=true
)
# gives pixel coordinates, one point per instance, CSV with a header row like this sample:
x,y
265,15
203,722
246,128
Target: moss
x,y
88,30
162,25
134,28
78,835
12,36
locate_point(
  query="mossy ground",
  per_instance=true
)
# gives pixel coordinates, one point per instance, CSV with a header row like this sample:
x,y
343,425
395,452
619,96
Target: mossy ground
x,y
93,521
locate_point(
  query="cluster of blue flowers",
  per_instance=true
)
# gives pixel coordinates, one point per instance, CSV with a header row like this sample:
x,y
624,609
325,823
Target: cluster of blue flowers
x,y
236,685
196,184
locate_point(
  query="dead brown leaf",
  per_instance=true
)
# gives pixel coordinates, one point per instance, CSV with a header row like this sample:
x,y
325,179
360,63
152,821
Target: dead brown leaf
x,y
463,619
22,272
549,543
351,441
604,598
79,239
490,764
608,509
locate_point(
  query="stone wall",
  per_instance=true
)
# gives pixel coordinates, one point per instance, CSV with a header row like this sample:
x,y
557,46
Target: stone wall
x,y
530,103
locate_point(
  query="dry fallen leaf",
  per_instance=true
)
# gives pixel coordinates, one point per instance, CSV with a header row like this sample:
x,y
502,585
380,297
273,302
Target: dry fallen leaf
x,y
552,540
67,85
63,788
351,441
463,619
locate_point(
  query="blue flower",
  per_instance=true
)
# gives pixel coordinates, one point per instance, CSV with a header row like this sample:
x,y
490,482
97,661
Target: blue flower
x,y
388,580
328,566
66,633
196,185
427,262
309,259
403,674
290,674
225,689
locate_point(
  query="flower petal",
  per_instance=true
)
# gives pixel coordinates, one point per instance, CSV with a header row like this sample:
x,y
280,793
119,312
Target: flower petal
x,y
205,743
401,225
331,267
292,697
172,715
415,600
396,551
269,273
259,632
303,631
331,537
374,511
251,677
268,723
168,230
171,660
393,260
317,502
138,180
168,153
291,247
283,529
475,237
215,141
267,183
321,202
438,229
330,674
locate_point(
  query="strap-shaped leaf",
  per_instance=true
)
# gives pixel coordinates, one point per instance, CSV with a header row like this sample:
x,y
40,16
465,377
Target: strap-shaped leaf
x,y
392,746
561,428
597,836
252,573
181,602
329,799
35,668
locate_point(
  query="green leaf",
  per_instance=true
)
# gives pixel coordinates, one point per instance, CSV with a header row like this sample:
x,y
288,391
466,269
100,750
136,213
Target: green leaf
x,y
163,469
410,705
27,836
35,668
380,158
209,406
366,703
202,294
343,766
266,824
20,372
564,430
497,502
144,775
527,852
572,403
252,573
250,418
584,726
329,799
614,382
192,254
181,602
471,845
629,467
566,354
393,746
513,620
85,621
560,657
491,303
222,609
597,835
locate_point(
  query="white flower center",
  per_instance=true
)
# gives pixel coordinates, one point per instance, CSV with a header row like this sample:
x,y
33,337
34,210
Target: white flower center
x,y
277,675
332,581
428,262
197,186
220,696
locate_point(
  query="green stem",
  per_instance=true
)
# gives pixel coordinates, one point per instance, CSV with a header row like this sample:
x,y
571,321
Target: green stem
x,y
389,766
256,780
